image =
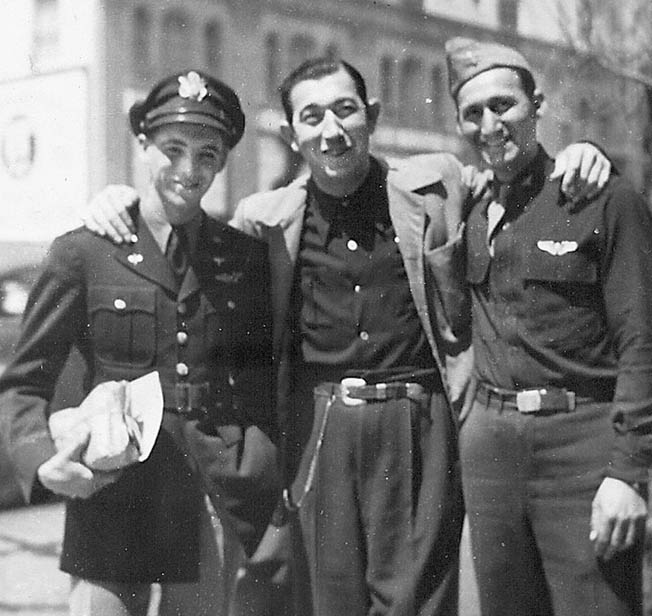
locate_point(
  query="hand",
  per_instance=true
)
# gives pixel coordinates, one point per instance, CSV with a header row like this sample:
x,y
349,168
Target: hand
x,y
64,473
478,181
585,170
108,213
617,518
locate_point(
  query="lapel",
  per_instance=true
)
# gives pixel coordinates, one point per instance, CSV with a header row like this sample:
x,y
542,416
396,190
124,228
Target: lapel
x,y
284,239
145,259
407,211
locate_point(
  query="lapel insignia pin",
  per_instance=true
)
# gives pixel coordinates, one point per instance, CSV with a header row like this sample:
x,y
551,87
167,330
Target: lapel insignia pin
x,y
135,258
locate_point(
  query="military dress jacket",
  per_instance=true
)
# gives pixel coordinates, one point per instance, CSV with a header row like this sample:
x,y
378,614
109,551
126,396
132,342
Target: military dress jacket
x,y
123,309
428,201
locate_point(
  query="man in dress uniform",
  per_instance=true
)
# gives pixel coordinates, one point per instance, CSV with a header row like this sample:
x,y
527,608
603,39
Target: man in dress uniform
x,y
556,447
372,329
190,299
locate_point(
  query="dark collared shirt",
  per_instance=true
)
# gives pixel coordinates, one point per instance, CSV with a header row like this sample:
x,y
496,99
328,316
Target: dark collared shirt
x,y
356,312
566,299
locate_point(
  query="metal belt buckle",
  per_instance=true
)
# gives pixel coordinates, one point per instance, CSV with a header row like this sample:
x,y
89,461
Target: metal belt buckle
x,y
529,400
182,395
345,385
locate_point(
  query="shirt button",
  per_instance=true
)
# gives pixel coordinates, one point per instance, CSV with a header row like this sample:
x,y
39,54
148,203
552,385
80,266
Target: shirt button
x,y
119,304
182,369
182,338
357,288
364,336
230,304
352,245
181,308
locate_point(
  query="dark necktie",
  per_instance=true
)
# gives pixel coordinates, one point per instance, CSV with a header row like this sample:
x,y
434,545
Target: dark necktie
x,y
176,252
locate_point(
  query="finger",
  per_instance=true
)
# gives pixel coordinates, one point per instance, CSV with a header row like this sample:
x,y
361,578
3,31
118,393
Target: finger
x,y
107,225
560,166
121,220
601,534
89,222
618,537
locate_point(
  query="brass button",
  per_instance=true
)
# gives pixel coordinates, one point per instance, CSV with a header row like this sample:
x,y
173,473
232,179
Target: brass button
x,y
364,336
182,338
230,304
357,288
352,245
119,304
182,369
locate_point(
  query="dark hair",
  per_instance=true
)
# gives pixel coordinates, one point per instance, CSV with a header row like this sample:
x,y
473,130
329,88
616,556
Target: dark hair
x,y
315,68
527,81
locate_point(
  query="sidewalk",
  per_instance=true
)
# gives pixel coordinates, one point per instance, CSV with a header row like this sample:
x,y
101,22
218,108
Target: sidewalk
x,y
32,585
30,581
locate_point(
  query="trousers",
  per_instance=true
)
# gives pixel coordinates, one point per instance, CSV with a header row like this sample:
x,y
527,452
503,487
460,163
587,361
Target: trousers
x,y
529,481
380,507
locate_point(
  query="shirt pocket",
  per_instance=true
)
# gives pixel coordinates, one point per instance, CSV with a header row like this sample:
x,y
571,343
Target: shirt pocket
x,y
123,324
572,267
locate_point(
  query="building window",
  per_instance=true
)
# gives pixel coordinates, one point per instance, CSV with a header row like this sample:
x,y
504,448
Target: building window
x,y
508,14
141,41
388,86
302,47
435,102
213,47
332,52
273,60
45,42
410,97
176,50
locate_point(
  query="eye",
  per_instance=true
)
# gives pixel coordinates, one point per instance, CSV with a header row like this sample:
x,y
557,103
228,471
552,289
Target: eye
x,y
172,151
311,116
501,105
472,114
345,109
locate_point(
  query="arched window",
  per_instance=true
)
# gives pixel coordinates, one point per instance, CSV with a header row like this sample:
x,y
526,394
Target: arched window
x,y
302,47
388,86
142,35
436,100
176,42
410,109
273,60
213,47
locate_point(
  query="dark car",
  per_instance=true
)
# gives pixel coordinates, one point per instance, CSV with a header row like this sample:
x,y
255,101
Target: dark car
x,y
20,264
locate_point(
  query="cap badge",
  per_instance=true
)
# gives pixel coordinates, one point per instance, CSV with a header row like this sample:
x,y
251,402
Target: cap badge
x,y
192,86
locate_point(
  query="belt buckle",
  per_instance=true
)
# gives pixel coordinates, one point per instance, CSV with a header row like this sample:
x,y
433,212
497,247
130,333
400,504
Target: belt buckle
x,y
345,385
182,398
529,400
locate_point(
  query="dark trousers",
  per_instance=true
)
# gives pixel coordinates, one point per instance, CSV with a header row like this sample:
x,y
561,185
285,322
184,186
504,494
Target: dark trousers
x,y
529,482
382,519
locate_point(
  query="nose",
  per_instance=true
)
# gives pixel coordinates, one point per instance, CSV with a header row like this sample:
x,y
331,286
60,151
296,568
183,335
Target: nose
x,y
187,167
490,122
331,130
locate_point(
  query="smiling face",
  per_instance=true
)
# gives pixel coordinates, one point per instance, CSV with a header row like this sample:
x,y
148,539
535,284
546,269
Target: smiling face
x,y
330,128
183,160
499,119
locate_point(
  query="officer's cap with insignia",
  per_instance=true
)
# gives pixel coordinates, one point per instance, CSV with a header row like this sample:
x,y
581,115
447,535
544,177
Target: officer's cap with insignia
x,y
192,97
467,58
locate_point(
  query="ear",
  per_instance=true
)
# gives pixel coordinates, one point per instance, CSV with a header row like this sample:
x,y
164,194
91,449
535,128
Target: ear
x,y
287,134
539,102
373,112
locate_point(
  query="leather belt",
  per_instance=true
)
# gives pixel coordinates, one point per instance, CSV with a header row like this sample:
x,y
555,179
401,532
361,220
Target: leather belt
x,y
192,400
354,391
530,401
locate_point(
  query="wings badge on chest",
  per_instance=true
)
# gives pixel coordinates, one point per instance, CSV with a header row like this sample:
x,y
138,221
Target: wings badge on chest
x,y
557,249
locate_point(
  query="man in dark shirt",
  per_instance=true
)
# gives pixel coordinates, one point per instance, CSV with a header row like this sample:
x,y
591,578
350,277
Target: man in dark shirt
x,y
556,446
371,329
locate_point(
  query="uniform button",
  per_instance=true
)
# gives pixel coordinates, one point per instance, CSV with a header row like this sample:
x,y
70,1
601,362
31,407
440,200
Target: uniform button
x,y
181,308
182,369
364,336
230,304
119,304
182,338
357,288
396,240
352,245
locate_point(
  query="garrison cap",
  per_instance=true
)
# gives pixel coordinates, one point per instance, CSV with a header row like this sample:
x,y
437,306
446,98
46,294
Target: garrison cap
x,y
467,58
191,97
